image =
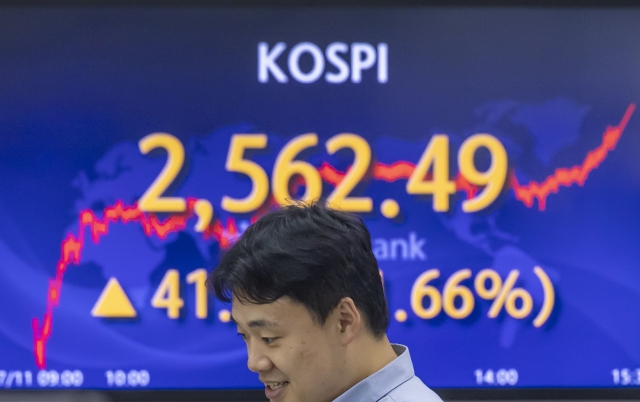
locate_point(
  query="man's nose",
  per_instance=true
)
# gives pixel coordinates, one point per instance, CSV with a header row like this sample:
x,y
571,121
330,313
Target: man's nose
x,y
257,360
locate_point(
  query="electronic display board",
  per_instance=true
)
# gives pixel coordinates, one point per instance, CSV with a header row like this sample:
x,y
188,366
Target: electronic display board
x,y
492,153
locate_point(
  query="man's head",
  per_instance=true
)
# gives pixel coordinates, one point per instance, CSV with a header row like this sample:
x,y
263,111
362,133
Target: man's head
x,y
305,291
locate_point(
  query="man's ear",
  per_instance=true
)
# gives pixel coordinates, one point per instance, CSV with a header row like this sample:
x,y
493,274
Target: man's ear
x,y
349,320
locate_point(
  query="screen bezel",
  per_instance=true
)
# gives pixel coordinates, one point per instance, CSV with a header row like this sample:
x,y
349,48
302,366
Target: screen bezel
x,y
449,394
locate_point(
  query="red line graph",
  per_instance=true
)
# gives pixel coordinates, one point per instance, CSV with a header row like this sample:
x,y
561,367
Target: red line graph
x,y
72,251
72,246
575,175
525,193
390,173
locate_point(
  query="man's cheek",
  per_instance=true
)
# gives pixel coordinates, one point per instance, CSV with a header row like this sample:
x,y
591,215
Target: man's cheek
x,y
308,354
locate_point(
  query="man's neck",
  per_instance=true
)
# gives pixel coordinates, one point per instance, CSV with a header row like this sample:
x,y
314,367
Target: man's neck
x,y
370,355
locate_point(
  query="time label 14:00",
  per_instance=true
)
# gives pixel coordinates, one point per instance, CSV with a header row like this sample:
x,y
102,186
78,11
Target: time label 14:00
x,y
430,176
498,377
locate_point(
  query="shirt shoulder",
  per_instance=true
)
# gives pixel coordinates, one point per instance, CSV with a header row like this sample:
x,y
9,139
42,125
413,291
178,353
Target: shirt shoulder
x,y
413,390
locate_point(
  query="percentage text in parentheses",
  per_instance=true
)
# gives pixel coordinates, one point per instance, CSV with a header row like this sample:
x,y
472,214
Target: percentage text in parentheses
x,y
549,297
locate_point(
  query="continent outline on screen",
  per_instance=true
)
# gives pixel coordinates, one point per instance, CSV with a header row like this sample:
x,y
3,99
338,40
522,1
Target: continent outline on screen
x,y
72,245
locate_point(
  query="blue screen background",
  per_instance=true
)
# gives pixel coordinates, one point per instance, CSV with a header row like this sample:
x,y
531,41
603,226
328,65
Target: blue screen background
x,y
80,87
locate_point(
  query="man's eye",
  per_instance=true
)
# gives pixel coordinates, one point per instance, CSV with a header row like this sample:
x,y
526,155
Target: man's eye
x,y
268,340
243,336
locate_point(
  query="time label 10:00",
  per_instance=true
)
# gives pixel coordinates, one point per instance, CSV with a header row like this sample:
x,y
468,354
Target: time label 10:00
x,y
132,378
434,160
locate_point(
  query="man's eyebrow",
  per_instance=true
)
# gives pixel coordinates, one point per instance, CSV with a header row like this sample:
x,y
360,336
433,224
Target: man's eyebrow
x,y
262,323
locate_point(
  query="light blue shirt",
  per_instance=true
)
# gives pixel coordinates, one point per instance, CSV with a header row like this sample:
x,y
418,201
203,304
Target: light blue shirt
x,y
395,382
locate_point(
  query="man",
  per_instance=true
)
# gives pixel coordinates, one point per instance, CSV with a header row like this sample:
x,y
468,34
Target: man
x,y
308,301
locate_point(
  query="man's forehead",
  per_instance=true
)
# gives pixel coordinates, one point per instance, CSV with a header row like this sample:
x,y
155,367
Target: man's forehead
x,y
264,315
267,314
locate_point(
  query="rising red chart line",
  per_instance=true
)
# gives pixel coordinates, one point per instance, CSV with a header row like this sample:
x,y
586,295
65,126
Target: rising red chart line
x,y
72,246
525,193
574,175
390,173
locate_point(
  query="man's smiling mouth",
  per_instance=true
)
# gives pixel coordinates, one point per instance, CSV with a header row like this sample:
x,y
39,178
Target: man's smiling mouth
x,y
276,385
275,390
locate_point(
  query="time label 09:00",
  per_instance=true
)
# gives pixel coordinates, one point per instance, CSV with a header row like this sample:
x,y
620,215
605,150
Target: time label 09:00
x,y
44,378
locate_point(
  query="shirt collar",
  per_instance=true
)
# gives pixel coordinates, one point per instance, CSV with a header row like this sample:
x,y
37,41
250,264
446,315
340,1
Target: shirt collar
x,y
382,381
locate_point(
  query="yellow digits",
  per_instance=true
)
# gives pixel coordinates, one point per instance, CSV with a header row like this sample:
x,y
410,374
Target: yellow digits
x,y
435,159
436,155
168,294
199,278
453,289
420,290
339,199
494,178
285,167
503,293
236,163
152,200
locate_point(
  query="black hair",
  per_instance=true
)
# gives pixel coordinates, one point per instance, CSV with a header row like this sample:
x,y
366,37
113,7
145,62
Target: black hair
x,y
313,255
